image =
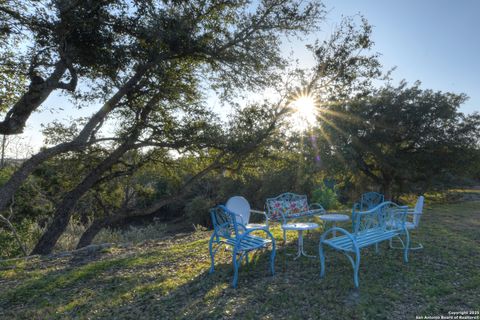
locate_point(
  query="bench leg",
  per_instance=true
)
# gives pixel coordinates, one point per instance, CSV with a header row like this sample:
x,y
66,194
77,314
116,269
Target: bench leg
x,y
356,267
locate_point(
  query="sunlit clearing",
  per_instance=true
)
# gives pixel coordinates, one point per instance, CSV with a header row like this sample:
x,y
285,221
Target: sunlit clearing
x,y
305,112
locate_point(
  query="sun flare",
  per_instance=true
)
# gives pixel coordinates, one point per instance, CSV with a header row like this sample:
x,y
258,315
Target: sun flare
x,y
305,111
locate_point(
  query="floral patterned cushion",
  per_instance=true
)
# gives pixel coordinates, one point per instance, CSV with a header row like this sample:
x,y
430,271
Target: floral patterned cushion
x,y
276,209
288,209
296,208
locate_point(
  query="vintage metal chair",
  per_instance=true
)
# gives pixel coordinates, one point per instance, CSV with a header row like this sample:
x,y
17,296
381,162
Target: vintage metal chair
x,y
240,206
227,231
416,214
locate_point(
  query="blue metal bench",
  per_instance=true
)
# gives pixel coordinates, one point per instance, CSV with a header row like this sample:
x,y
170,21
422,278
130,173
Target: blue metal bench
x,y
227,231
384,222
368,201
289,206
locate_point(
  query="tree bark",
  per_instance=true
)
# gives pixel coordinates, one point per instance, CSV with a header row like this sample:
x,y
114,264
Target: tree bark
x,y
98,224
387,189
64,210
124,213
4,142
89,234
80,142
37,92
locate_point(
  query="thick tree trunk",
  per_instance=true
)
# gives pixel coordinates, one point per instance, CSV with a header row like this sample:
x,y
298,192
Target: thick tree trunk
x,y
80,142
4,142
89,234
64,210
37,92
118,216
387,189
98,224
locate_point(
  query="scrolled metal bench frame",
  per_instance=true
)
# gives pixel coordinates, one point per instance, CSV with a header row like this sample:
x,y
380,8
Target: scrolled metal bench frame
x,y
384,222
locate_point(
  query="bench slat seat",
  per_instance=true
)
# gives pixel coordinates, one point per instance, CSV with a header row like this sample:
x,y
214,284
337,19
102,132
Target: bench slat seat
x,y
364,239
249,242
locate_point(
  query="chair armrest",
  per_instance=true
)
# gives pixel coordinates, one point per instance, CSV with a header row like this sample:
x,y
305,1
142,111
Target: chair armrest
x,y
316,207
242,226
412,211
260,212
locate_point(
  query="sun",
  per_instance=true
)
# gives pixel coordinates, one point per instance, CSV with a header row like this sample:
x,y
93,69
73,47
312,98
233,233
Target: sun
x,y
305,111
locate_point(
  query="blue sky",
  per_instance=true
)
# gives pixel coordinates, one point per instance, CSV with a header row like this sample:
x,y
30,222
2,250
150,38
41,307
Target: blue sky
x,y
434,41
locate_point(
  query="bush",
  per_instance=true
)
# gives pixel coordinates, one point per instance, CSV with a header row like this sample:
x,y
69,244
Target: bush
x,y
132,234
198,210
29,233
69,239
325,196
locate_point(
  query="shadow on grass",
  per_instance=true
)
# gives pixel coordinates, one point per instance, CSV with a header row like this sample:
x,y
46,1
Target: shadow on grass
x,y
173,282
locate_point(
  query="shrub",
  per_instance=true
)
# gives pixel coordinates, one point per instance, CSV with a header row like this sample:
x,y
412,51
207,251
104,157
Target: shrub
x,y
198,210
132,234
29,233
325,196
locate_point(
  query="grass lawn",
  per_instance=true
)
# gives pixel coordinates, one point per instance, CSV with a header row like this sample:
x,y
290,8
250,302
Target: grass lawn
x,y
169,279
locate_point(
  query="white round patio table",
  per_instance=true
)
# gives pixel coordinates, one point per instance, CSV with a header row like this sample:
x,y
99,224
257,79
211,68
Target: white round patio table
x,y
334,218
300,227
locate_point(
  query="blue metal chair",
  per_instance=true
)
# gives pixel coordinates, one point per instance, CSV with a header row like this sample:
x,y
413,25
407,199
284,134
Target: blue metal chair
x,y
227,231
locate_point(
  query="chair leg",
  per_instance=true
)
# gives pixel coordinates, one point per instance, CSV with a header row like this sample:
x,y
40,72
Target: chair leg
x,y
212,255
322,260
235,269
407,244
392,246
376,247
284,236
419,247
272,259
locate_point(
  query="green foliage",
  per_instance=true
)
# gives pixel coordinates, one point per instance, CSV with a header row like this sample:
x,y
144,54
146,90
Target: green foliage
x,y
28,232
198,210
325,196
401,138
133,234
